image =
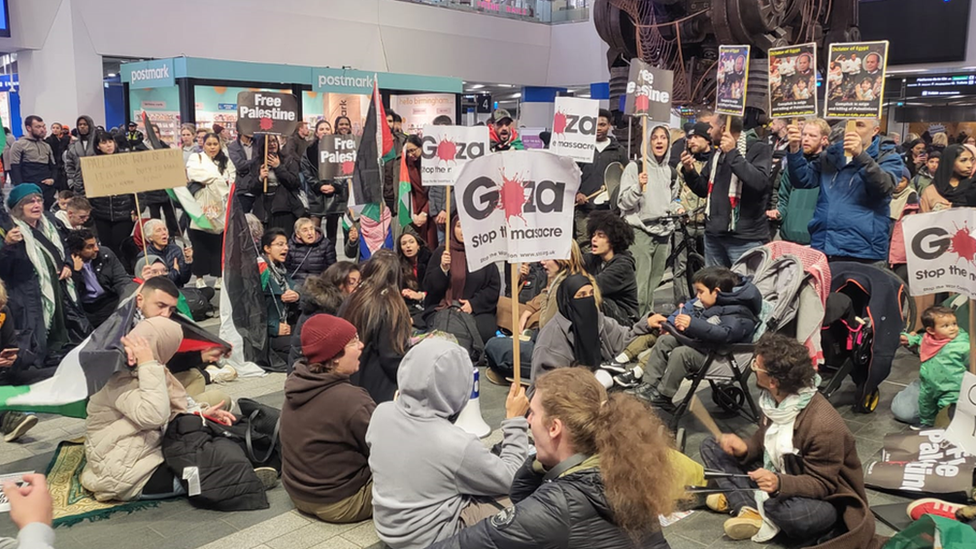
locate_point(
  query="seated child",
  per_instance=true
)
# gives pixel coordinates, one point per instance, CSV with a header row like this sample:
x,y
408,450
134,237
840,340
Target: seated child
x,y
726,311
944,350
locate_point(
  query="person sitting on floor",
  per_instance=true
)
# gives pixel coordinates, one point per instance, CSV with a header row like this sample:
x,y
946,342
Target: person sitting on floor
x,y
13,424
414,258
602,474
100,279
450,282
280,296
613,265
579,334
126,418
383,321
323,294
323,426
309,251
803,458
178,260
944,350
430,477
726,311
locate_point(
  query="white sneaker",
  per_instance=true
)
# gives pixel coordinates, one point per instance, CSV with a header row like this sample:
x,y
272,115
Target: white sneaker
x,y
221,375
217,284
201,283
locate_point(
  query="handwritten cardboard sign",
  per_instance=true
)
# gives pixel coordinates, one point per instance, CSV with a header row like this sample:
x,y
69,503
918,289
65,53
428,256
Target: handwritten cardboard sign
x,y
134,172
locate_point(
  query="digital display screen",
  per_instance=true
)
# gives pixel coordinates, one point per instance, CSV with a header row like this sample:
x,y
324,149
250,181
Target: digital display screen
x,y
4,19
943,85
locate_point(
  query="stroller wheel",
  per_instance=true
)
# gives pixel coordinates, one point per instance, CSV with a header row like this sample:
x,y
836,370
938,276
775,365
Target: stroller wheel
x,y
729,397
869,403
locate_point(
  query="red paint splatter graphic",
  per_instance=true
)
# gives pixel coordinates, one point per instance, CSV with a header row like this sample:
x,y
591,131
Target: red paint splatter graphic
x,y
642,103
512,197
559,123
347,167
963,244
266,124
447,151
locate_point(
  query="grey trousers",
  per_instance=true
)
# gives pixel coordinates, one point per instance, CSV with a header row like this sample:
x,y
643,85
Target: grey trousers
x,y
669,363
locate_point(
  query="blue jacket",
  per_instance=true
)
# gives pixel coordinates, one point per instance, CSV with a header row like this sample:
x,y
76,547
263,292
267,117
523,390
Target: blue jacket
x,y
851,219
732,319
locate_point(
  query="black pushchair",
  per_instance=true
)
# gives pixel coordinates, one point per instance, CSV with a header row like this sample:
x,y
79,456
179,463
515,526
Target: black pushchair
x,y
866,312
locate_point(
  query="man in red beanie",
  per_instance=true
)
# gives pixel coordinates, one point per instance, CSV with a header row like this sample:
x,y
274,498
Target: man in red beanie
x,y
324,455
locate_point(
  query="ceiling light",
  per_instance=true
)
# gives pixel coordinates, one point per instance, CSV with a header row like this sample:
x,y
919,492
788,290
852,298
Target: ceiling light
x,y
477,86
112,75
517,95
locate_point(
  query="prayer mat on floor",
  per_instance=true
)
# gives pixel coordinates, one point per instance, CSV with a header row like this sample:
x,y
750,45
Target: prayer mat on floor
x,y
72,502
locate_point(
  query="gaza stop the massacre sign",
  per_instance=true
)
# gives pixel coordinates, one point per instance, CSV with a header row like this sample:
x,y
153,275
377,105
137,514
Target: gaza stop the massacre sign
x,y
446,149
941,252
574,128
267,112
517,206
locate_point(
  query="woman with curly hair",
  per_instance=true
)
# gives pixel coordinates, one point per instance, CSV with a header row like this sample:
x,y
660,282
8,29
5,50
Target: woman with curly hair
x,y
322,294
603,473
613,265
383,322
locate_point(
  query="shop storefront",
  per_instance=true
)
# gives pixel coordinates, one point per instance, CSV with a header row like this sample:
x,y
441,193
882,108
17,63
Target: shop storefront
x,y
204,92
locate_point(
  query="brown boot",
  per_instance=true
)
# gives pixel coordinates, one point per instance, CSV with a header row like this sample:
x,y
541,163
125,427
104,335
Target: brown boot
x,y
745,525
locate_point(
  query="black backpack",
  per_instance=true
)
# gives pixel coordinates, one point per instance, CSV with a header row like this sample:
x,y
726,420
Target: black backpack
x,y
200,306
462,326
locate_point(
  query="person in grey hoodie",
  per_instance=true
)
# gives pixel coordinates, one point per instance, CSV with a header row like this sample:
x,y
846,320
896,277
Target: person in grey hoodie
x,y
430,477
645,199
78,149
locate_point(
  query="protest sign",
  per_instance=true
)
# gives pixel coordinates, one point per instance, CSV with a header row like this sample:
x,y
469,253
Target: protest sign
x,y
962,430
517,206
649,92
337,157
574,128
267,112
855,79
793,81
941,252
134,172
923,461
732,80
446,149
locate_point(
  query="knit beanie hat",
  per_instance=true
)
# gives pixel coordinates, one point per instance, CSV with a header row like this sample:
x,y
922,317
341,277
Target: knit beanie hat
x,y
20,192
218,129
324,337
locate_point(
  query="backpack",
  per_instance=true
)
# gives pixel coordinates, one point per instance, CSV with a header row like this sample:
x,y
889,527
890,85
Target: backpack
x,y
200,306
462,326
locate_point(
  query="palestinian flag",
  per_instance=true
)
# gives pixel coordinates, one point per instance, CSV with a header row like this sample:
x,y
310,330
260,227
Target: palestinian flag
x,y
375,149
404,203
243,313
374,230
190,206
90,365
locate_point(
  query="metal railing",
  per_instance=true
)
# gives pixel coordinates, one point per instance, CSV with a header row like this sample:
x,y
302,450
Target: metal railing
x,y
535,11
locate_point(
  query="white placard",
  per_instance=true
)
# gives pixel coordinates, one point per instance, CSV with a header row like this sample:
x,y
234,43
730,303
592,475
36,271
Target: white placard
x,y
962,430
517,206
446,149
574,128
941,252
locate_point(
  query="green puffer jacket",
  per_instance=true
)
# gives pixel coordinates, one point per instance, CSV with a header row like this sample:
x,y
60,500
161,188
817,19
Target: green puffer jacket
x,y
941,376
796,207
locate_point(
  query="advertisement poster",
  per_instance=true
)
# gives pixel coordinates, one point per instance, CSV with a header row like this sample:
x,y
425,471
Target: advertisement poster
x,y
337,157
733,77
446,149
574,128
649,92
517,206
418,110
793,81
267,112
353,106
941,252
855,79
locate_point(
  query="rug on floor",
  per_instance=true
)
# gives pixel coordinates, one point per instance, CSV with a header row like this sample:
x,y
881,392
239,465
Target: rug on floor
x,y
72,502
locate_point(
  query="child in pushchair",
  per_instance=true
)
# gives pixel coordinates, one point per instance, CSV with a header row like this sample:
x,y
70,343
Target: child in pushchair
x,y
865,315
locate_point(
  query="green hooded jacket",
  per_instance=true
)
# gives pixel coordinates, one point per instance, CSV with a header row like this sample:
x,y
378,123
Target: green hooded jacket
x,y
941,376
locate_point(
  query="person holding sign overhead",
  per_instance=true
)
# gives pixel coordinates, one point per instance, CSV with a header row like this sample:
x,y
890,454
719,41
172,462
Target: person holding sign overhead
x,y
735,183
856,178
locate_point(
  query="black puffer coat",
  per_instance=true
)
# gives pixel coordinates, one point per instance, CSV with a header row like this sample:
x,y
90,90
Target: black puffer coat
x,y
227,478
113,208
305,260
567,512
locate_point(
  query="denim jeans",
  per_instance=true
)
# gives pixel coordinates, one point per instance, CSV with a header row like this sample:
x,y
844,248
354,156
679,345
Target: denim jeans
x,y
723,251
905,404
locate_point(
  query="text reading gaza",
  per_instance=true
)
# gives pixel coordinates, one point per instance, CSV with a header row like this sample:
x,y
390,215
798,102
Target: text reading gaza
x,y
266,107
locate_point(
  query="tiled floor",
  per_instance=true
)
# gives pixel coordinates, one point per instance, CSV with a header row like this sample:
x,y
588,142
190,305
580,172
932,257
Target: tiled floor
x,y
175,524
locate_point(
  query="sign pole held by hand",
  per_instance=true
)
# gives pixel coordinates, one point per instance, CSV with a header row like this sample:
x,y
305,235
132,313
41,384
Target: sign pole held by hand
x,y
851,127
142,226
447,222
266,162
645,123
516,335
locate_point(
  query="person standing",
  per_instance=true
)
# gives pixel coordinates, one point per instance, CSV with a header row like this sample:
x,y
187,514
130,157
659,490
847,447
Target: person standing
x,y
607,151
113,214
188,143
326,199
795,207
501,134
59,140
83,146
31,160
284,202
422,222
438,195
211,174
735,183
249,168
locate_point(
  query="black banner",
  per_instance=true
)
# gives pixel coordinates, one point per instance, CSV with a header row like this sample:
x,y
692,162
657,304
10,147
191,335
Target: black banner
x,y
337,157
267,112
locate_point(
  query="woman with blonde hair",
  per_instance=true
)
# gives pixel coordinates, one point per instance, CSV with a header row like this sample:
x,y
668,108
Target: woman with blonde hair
x,y
602,475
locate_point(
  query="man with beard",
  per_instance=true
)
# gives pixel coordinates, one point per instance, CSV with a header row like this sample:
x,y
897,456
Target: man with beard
x,y
735,182
99,276
796,206
31,160
501,133
82,147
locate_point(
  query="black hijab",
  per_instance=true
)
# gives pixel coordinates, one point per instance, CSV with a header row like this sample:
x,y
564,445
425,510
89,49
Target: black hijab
x,y
584,318
947,170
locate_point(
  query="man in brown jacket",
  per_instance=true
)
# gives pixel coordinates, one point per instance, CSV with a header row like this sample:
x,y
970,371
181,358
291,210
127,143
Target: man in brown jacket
x,y
803,460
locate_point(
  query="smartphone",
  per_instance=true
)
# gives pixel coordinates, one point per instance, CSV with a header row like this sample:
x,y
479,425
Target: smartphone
x,y
9,353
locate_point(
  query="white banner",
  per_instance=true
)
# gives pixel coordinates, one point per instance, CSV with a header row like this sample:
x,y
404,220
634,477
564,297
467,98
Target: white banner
x,y
941,251
517,206
574,128
447,149
962,430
